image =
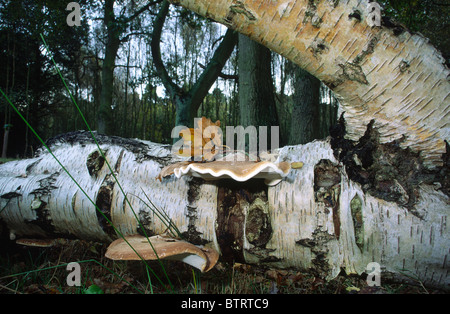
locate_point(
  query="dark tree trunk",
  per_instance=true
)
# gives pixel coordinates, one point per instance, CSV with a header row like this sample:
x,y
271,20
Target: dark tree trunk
x,y
256,94
305,125
112,46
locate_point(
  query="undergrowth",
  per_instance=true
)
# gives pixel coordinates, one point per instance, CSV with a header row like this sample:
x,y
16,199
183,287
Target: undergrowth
x,y
43,271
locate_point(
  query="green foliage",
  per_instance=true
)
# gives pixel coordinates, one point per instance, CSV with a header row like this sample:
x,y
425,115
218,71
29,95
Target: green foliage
x,y
25,74
93,289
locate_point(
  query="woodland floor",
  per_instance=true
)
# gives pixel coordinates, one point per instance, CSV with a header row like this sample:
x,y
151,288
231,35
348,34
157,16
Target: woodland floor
x,y
31,270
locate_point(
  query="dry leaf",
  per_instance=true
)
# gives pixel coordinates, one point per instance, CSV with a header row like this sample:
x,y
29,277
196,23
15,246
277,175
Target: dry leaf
x,y
201,141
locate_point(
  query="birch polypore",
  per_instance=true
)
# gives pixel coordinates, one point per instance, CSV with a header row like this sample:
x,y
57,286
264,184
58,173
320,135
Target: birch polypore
x,y
389,75
137,247
237,170
315,219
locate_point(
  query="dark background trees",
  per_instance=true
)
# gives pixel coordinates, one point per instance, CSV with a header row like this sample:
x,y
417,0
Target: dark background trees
x,y
125,86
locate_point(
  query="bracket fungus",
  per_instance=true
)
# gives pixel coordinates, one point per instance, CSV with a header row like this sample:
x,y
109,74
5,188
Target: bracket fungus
x,y
241,171
36,242
162,247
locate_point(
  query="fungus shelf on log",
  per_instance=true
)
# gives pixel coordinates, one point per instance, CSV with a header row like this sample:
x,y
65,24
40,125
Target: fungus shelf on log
x,y
241,171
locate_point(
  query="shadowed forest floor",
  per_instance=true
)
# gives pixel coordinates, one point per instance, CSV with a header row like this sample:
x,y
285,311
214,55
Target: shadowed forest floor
x,y
31,270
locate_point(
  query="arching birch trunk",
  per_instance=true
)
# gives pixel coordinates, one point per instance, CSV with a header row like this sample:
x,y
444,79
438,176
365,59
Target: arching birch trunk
x,y
382,73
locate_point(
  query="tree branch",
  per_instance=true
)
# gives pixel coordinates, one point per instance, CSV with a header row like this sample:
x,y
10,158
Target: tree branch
x,y
126,37
213,69
223,75
158,24
144,8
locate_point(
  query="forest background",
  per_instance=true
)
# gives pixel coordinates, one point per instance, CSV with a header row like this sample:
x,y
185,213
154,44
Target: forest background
x,y
138,68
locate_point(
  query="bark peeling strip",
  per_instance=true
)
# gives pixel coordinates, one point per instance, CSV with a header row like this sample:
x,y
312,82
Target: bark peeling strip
x,y
10,195
258,229
318,246
95,163
311,14
327,188
137,147
239,8
318,47
353,72
387,171
366,52
358,222
242,215
145,219
192,235
104,202
43,217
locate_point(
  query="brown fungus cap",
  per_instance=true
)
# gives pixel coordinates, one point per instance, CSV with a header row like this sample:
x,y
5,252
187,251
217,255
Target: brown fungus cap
x,y
162,247
36,242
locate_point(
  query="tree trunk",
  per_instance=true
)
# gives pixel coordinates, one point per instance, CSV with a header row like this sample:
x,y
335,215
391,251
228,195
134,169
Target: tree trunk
x,y
385,73
316,219
109,63
305,125
7,127
256,91
115,28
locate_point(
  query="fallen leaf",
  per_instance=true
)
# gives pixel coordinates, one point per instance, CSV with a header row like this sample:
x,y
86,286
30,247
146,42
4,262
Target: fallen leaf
x,y
198,140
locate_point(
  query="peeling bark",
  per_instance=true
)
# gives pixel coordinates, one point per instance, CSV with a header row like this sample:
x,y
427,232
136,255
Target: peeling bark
x,y
327,188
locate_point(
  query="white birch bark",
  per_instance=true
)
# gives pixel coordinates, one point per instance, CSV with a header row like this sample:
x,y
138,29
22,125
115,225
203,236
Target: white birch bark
x,y
299,231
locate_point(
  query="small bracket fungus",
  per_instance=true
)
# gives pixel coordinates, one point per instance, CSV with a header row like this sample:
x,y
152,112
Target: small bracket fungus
x,y
241,171
36,242
162,247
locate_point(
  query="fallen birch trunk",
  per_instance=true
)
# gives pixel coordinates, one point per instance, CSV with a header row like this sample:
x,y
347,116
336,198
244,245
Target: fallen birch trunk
x,y
316,218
